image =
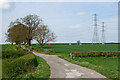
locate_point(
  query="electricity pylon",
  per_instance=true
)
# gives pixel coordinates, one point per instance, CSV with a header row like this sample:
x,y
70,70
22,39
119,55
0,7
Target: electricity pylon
x,y
103,34
95,34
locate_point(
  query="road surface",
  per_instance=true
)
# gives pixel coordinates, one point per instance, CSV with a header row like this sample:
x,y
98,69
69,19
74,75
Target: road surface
x,y
63,69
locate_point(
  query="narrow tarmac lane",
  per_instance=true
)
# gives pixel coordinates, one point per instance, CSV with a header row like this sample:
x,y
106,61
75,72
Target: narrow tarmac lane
x,y
64,69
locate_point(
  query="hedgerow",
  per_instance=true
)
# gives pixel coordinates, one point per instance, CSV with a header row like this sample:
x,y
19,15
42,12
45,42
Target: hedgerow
x,y
13,53
41,50
18,63
96,54
12,68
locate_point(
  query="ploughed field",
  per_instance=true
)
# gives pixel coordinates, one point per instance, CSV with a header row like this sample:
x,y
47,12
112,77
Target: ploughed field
x,y
107,66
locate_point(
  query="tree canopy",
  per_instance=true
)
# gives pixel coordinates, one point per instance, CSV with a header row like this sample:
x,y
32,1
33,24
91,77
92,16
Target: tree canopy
x,y
18,34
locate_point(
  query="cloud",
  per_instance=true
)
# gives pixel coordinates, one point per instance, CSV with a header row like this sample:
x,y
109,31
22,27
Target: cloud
x,y
80,13
4,4
74,26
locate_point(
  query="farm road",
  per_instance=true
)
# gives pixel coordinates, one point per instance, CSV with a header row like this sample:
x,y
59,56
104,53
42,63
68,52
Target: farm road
x,y
64,69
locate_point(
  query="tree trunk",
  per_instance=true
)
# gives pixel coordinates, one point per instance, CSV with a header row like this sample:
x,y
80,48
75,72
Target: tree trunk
x,y
12,43
16,43
41,45
29,42
24,43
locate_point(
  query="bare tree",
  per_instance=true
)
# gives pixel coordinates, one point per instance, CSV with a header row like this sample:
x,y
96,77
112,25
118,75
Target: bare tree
x,y
44,35
32,21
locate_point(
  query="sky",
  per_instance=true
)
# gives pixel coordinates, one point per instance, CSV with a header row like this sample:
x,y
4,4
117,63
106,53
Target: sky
x,y
70,21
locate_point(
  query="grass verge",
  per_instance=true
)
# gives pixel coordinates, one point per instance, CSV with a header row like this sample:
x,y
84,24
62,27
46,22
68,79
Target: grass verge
x,y
41,71
107,66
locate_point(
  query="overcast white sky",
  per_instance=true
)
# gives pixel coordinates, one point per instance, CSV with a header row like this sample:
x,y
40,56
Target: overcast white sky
x,y
71,21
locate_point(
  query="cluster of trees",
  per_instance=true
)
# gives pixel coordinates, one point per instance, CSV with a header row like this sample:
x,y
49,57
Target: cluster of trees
x,y
24,30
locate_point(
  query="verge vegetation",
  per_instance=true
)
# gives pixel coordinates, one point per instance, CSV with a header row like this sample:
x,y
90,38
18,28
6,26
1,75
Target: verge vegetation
x,y
21,63
108,66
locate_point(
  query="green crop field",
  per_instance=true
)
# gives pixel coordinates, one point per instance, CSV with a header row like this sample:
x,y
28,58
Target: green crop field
x,y
66,48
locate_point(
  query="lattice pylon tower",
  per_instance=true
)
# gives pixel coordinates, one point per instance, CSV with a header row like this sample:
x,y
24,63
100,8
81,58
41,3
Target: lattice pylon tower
x,y
95,34
103,33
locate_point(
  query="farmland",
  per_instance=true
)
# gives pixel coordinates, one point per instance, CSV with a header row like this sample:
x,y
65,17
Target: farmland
x,y
108,66
66,48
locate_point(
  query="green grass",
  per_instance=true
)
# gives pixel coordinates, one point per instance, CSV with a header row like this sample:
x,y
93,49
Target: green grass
x,y
107,66
5,46
42,70
0,69
65,48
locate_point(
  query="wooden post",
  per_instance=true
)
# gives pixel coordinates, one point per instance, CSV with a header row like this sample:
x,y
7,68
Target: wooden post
x,y
71,56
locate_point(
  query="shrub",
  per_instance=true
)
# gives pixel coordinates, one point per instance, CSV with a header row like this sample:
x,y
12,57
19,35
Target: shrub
x,y
11,54
48,50
96,54
17,47
42,50
12,48
26,49
14,53
18,66
37,49
27,46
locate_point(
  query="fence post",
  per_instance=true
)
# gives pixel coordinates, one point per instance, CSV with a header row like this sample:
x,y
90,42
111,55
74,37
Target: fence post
x,y
71,56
